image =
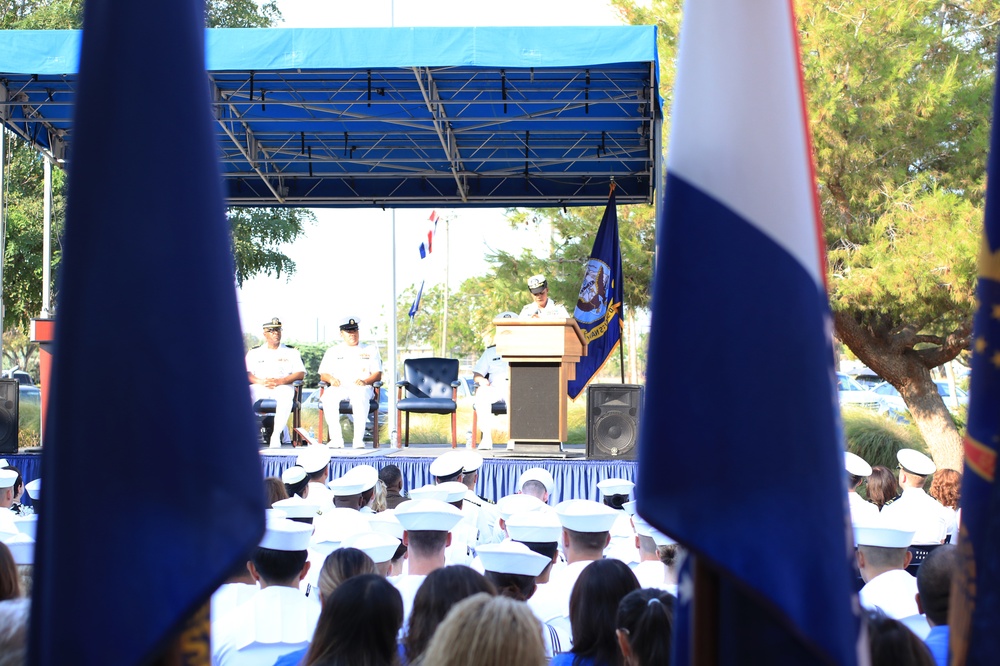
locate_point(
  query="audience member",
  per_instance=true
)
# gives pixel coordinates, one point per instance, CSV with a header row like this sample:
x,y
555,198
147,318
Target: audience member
x,y
882,559
18,490
882,487
378,501
341,565
487,631
14,615
934,578
651,570
487,514
915,508
440,591
392,477
857,471
645,624
615,494
358,625
537,482
315,460
593,610
296,481
946,488
10,586
380,548
892,644
275,489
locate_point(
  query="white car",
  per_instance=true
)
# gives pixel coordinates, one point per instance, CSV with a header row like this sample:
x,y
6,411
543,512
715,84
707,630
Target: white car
x,y
896,406
852,394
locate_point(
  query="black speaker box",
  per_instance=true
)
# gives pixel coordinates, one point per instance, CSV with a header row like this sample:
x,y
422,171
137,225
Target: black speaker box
x,y
613,421
9,397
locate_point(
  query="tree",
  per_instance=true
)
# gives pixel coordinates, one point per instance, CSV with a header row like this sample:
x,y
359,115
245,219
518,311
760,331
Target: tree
x,y
258,233
466,321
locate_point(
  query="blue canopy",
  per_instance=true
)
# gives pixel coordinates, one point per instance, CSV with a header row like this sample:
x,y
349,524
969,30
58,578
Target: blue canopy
x,y
392,116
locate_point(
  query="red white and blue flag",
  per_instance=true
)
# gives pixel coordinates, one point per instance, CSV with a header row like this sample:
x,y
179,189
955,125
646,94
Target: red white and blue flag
x,y
739,287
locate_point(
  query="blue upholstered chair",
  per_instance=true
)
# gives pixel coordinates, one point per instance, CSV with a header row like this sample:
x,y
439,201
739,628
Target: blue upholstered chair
x,y
429,386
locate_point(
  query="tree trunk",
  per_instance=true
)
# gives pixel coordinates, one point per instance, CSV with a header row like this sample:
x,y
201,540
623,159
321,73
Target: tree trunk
x,y
900,365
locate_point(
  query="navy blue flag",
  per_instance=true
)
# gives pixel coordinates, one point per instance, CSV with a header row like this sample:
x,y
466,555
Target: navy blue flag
x,y
975,600
739,286
415,308
150,396
599,307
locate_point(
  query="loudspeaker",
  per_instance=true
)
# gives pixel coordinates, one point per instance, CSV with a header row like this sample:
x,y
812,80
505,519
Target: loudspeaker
x,y
9,397
613,421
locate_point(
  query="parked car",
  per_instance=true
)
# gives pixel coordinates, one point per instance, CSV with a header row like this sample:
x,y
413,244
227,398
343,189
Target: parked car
x,y
26,389
851,393
896,407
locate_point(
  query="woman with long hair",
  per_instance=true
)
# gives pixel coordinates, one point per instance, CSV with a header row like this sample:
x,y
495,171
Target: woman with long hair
x,y
645,625
946,487
882,487
488,631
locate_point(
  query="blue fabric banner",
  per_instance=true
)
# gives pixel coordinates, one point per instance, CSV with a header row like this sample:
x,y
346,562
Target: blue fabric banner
x,y
147,304
739,285
599,307
975,606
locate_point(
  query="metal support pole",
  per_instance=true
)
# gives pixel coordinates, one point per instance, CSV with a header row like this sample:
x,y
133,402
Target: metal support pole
x,y
444,318
47,242
3,225
393,351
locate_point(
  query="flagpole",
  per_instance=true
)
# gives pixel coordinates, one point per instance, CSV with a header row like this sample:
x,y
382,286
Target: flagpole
x,y
621,345
444,318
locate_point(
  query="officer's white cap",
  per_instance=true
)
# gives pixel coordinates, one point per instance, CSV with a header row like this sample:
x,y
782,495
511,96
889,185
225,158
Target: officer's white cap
x,y
23,550
856,465
7,478
537,474
610,487
534,526
34,488
448,464
473,461
313,459
883,536
629,507
456,490
431,491
915,462
642,528
511,504
385,522
379,547
292,475
27,525
349,323
427,515
296,507
586,516
511,557
288,535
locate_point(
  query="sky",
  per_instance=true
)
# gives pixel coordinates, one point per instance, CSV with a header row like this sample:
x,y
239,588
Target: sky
x,y
344,260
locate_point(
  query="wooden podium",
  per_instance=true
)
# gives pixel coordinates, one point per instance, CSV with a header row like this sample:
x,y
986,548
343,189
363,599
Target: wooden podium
x,y
543,354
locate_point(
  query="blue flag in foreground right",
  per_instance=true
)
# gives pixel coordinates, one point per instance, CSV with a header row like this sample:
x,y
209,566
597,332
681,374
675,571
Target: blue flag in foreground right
x,y
739,287
974,615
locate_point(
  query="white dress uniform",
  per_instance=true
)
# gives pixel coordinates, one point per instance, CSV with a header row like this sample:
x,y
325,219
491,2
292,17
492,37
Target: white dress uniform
x,y
497,371
321,496
550,602
487,518
552,310
348,364
651,573
862,512
275,621
407,585
272,364
622,546
894,592
918,510
228,598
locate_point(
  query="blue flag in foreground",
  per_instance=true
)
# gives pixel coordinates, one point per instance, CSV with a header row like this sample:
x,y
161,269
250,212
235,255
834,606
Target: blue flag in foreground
x,y
975,599
739,286
149,388
415,308
599,307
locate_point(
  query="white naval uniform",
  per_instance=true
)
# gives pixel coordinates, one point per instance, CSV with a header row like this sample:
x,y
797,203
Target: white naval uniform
x,y
348,364
275,621
487,517
894,592
268,363
622,545
550,602
497,372
407,585
862,512
228,598
552,310
651,573
321,496
917,509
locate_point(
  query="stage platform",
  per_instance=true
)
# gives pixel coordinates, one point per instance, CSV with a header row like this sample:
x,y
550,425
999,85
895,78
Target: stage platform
x,y
575,476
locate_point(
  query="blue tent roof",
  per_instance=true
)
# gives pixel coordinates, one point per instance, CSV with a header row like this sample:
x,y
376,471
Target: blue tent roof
x,y
393,116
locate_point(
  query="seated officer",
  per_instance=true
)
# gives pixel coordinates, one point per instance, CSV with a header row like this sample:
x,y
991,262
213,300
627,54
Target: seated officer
x,y
350,370
271,369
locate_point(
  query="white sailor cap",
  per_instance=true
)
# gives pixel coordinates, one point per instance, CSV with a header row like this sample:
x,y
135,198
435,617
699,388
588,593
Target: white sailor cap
x,y
629,507
473,461
856,465
347,485
292,475
34,488
4,463
534,526
274,514
385,522
379,547
883,536
334,526
27,525
644,529
431,491
610,487
7,478
511,557
365,474
296,507
23,550
915,462
313,459
456,490
582,515
537,474
427,515
511,504
288,535
448,464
